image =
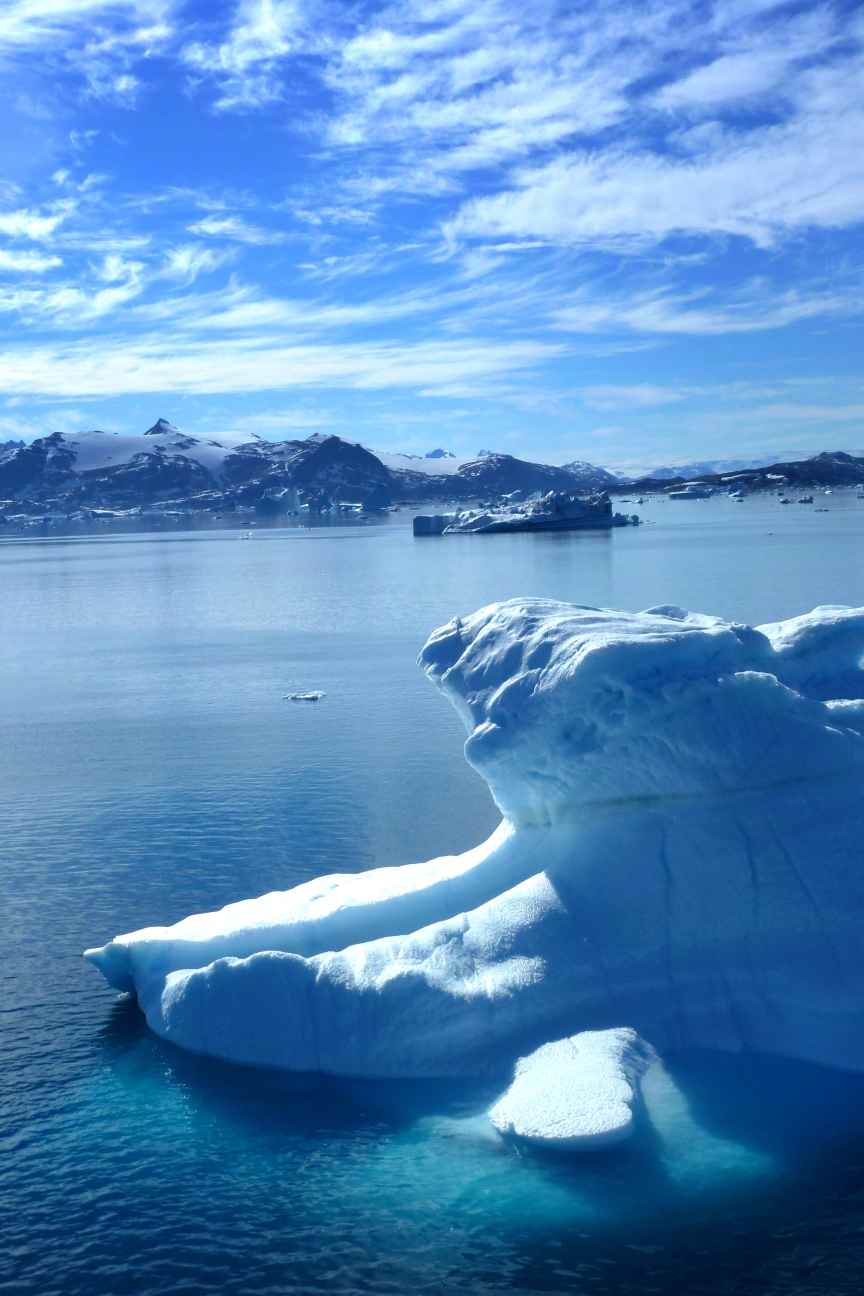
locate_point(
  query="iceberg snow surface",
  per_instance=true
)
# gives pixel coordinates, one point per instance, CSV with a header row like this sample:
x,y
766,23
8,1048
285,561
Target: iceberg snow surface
x,y
576,1093
680,854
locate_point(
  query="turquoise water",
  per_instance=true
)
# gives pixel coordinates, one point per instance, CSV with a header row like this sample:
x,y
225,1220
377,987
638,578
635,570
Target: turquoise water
x,y
151,768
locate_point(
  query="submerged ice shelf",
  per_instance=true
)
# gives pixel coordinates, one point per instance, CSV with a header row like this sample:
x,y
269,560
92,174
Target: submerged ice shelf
x,y
680,855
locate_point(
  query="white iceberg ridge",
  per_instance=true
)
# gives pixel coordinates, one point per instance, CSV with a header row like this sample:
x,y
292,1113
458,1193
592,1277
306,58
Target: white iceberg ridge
x,y
680,854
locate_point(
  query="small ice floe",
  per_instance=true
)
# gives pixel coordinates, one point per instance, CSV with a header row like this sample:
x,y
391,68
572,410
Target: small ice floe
x,y
315,696
577,1093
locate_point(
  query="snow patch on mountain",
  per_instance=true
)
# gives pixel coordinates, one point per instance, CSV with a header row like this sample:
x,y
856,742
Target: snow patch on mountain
x,y
96,450
396,461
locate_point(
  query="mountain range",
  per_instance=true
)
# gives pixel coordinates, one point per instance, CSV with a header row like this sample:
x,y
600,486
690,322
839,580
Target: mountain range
x,y
164,467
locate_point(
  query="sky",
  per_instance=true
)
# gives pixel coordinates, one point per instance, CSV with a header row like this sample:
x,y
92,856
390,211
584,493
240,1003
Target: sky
x,y
626,232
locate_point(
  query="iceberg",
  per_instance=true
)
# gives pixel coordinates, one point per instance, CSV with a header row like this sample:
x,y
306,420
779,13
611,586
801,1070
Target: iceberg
x,y
555,511
680,856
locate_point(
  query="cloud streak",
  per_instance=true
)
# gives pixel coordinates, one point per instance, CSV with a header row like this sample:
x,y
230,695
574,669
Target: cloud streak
x,y
152,365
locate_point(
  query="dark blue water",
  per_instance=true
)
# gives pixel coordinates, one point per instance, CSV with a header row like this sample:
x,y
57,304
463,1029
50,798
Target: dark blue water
x,y
151,769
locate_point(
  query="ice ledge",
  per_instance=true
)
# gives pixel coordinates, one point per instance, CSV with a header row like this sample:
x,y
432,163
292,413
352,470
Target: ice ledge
x,y
576,1093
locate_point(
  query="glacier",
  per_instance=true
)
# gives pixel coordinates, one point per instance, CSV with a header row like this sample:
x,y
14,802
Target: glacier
x,y
679,859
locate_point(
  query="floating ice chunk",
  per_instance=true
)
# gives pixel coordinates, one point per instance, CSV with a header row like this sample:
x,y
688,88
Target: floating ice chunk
x,y
576,1093
682,849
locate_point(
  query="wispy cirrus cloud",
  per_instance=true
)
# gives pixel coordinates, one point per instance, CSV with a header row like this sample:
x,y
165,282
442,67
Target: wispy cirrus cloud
x,y
612,396
236,230
26,23
662,304
260,190
27,262
100,41
246,62
35,225
778,180
154,364
186,263
622,122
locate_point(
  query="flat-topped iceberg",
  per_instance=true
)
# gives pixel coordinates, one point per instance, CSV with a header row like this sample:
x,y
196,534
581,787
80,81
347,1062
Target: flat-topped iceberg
x,y
680,854
555,511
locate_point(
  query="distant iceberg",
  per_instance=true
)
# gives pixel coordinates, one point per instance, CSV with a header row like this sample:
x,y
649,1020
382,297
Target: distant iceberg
x,y
680,857
555,511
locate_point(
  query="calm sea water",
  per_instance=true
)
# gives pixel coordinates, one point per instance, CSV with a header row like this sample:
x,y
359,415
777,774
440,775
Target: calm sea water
x,y
151,769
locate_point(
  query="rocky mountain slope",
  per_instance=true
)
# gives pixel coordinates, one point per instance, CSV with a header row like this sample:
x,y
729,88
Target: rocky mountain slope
x,y
593,476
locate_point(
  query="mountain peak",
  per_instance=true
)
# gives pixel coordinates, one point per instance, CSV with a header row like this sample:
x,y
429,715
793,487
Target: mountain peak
x,y
161,426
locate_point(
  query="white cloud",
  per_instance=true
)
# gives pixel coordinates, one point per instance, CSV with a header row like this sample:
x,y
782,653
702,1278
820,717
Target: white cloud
x,y
484,84
32,225
32,22
542,138
27,262
99,40
263,32
560,110
235,229
187,262
783,177
77,303
611,396
664,308
155,364
787,412
754,65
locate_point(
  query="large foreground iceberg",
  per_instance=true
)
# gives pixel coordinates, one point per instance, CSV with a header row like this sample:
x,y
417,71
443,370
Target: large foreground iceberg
x,y
680,854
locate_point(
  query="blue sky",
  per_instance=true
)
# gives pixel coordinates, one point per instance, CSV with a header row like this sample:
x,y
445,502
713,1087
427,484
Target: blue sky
x,y
610,231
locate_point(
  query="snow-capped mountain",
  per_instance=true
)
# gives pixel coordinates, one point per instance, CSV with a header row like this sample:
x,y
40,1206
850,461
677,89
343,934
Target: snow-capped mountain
x,y
163,463
500,474
831,468
118,470
113,470
699,467
52,459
